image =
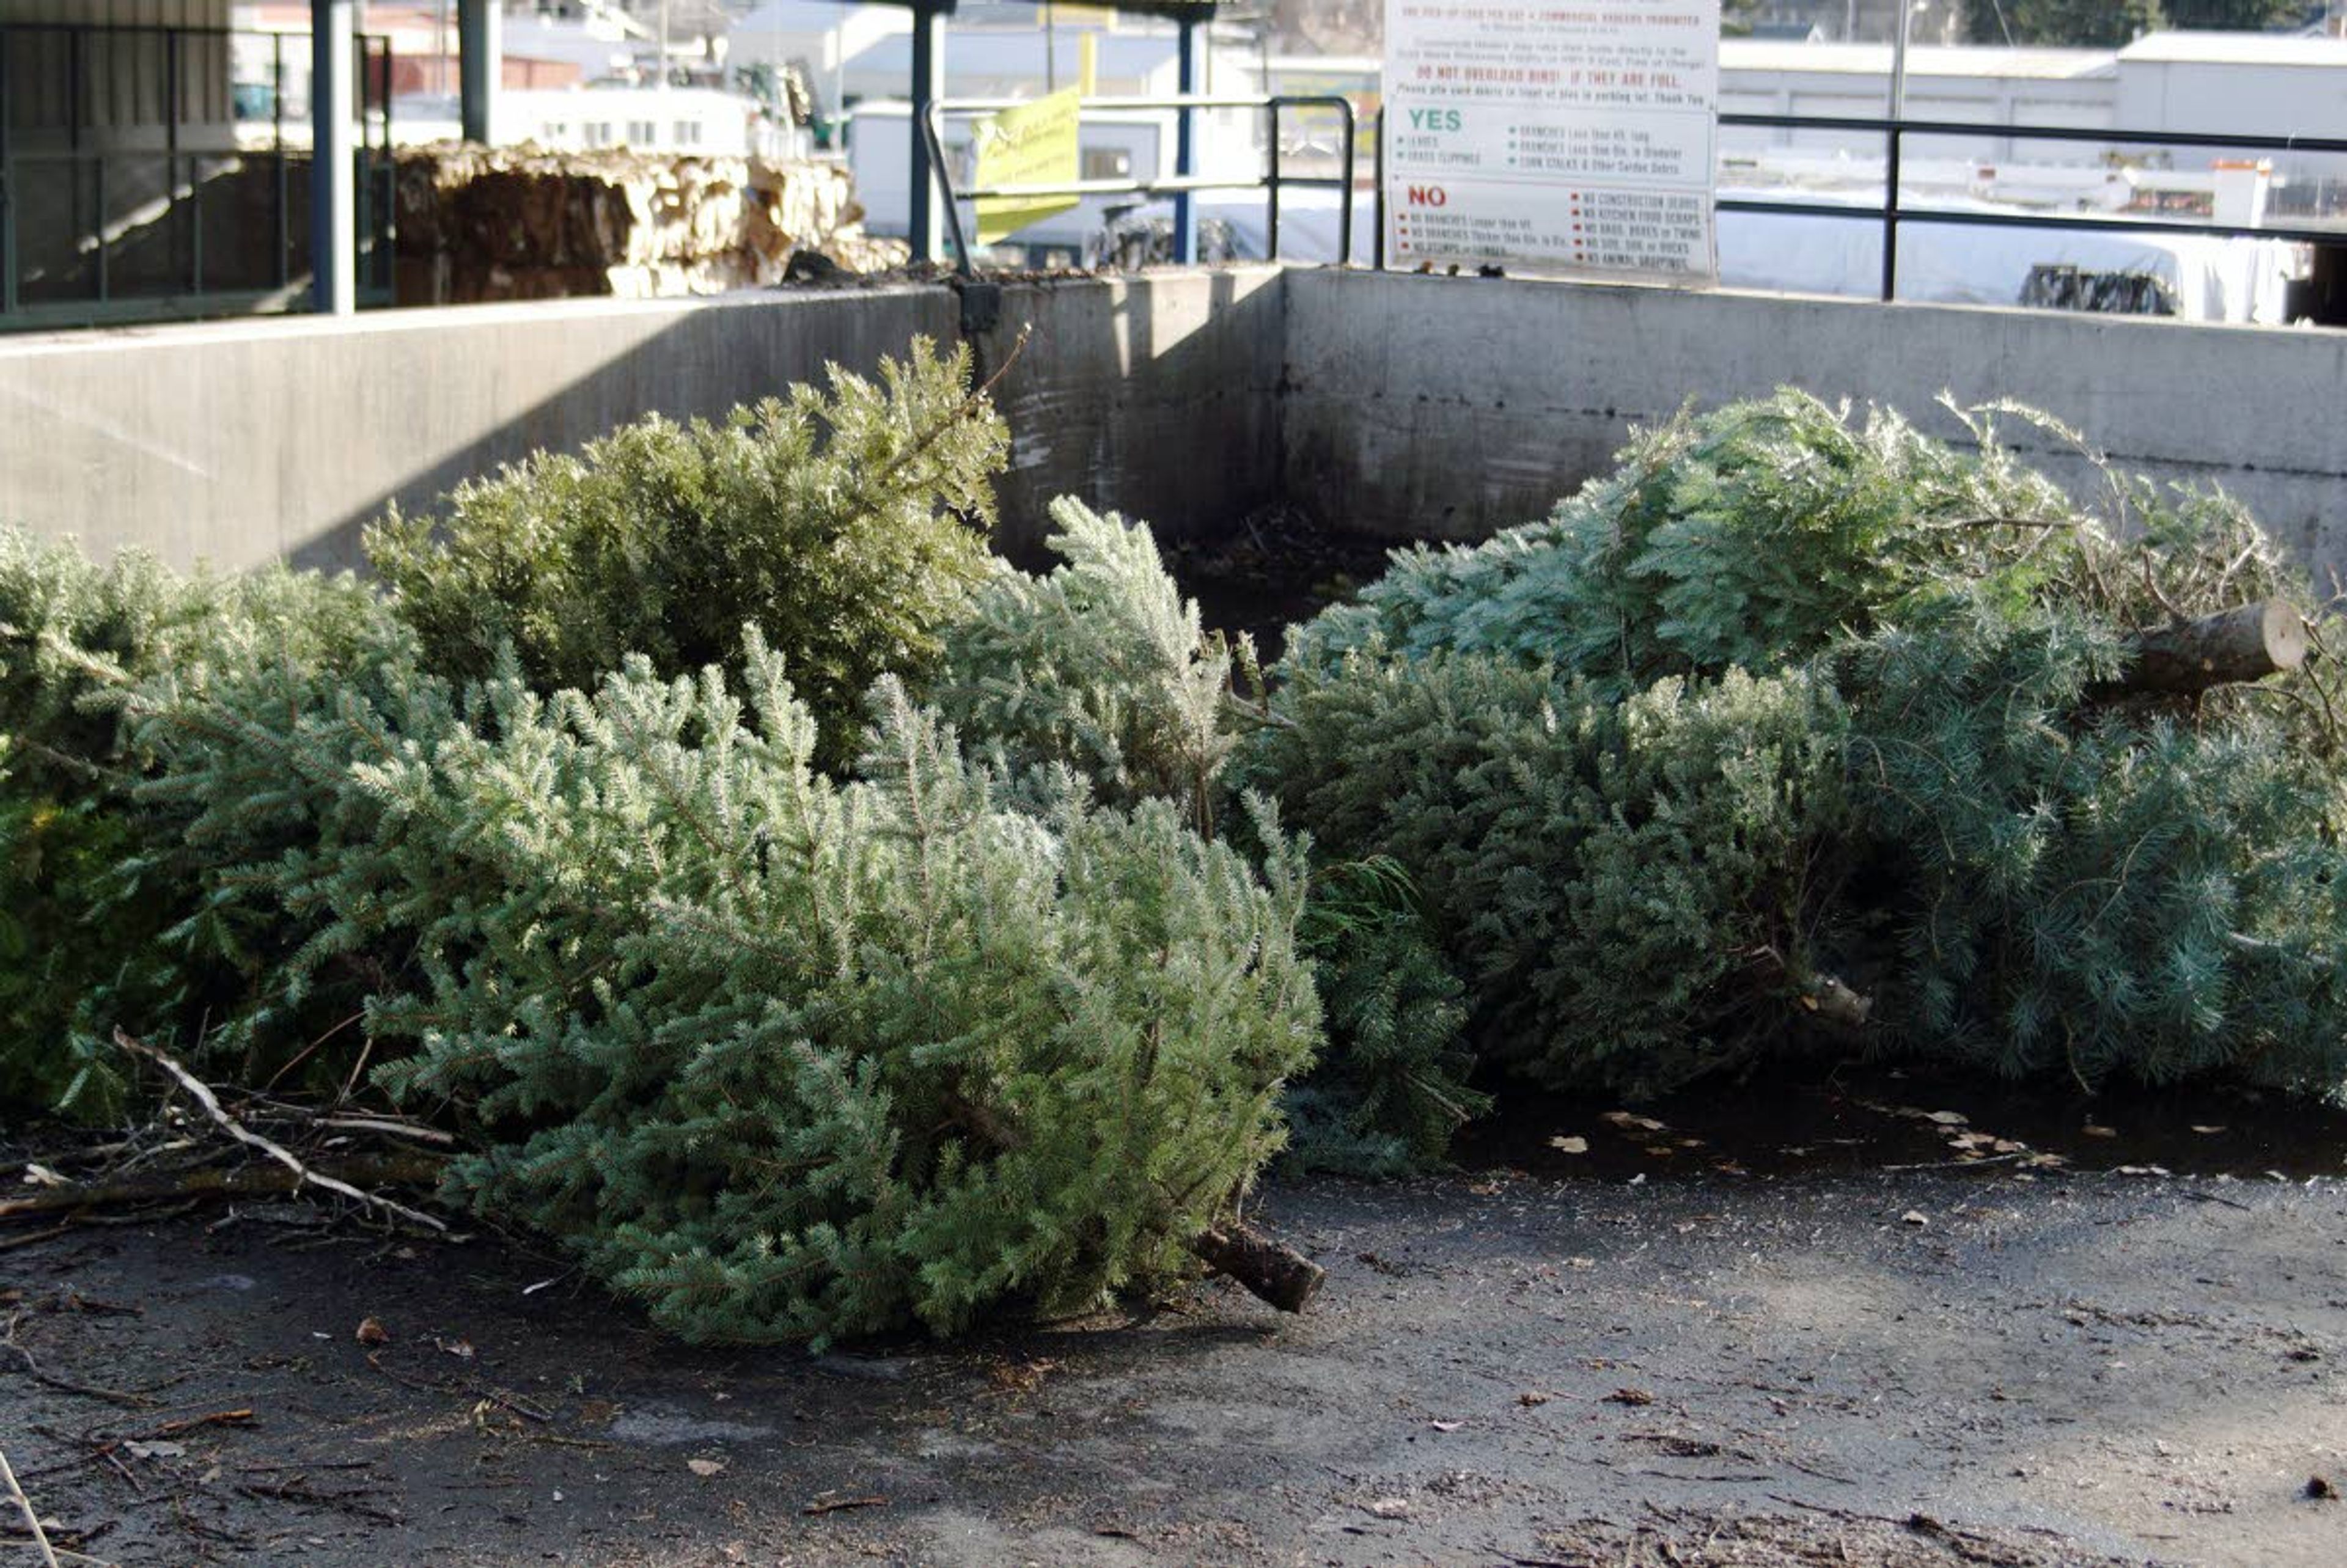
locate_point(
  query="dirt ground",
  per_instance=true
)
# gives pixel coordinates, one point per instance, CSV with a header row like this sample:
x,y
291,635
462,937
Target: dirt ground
x,y
1648,1353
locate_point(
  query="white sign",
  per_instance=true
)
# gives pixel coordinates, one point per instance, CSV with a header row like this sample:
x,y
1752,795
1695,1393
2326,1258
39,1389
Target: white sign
x,y
1562,135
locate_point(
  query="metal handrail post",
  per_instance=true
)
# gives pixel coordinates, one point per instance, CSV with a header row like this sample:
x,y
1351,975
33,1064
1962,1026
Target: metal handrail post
x,y
936,142
173,40
73,129
385,180
1345,202
1271,224
1890,219
7,194
104,283
1377,200
928,88
1185,145
277,148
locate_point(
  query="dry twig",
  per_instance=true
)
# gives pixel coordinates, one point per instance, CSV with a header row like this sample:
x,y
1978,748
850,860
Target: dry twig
x,y
276,1152
42,1375
24,1506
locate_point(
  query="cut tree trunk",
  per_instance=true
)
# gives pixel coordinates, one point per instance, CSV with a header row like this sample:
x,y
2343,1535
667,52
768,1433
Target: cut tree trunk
x,y
2247,642
1272,1269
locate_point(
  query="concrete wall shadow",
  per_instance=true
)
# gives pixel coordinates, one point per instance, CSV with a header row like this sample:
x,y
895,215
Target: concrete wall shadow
x,y
1390,405
239,443
1152,397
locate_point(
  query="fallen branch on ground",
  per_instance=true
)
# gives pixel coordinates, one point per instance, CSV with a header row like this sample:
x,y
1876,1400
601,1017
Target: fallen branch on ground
x,y
208,1183
298,1490
276,1152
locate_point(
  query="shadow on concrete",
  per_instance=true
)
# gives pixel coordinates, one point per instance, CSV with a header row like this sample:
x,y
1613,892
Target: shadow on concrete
x,y
1151,396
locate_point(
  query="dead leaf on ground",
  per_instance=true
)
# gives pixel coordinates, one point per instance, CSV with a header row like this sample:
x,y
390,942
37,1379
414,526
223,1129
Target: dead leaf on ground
x,y
1021,1377
2206,1131
1629,1397
1570,1145
1446,1426
1627,1121
1532,1397
372,1332
1947,1118
705,1467
2097,1130
1915,1217
1387,1507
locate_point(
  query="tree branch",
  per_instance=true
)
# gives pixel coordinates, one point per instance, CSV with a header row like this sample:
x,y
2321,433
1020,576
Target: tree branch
x,y
301,1173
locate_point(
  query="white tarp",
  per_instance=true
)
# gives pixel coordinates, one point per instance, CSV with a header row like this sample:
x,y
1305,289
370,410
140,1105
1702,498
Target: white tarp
x,y
2213,278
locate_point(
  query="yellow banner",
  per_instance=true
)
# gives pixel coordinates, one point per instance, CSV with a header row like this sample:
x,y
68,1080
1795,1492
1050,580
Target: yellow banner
x,y
1033,144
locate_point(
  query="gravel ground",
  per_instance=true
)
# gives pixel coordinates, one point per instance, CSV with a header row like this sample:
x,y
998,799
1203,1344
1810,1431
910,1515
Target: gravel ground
x,y
1526,1366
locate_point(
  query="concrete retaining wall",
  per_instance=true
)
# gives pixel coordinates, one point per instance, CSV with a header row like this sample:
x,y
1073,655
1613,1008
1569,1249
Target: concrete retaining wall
x,y
1453,406
1155,396
235,442
1395,404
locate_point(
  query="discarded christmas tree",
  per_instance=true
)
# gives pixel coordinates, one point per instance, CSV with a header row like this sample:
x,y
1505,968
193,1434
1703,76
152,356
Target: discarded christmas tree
x,y
848,523
1798,734
1097,681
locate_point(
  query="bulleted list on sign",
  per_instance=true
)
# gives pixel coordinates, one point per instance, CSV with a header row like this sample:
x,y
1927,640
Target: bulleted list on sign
x,y
1598,228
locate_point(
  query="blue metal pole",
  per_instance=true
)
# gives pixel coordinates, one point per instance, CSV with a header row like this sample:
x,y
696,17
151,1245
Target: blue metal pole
x,y
478,66
928,86
1185,147
334,196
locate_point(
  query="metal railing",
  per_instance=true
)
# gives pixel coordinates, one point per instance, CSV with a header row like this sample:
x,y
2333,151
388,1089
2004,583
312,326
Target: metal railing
x,y
1893,211
147,173
1270,181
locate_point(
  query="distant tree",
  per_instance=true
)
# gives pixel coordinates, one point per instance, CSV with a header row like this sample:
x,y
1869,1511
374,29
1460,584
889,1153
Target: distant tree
x,y
2234,15
2069,24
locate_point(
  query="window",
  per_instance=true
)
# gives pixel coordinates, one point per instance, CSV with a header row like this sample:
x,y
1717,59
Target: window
x,y
688,133
639,132
1107,163
596,133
